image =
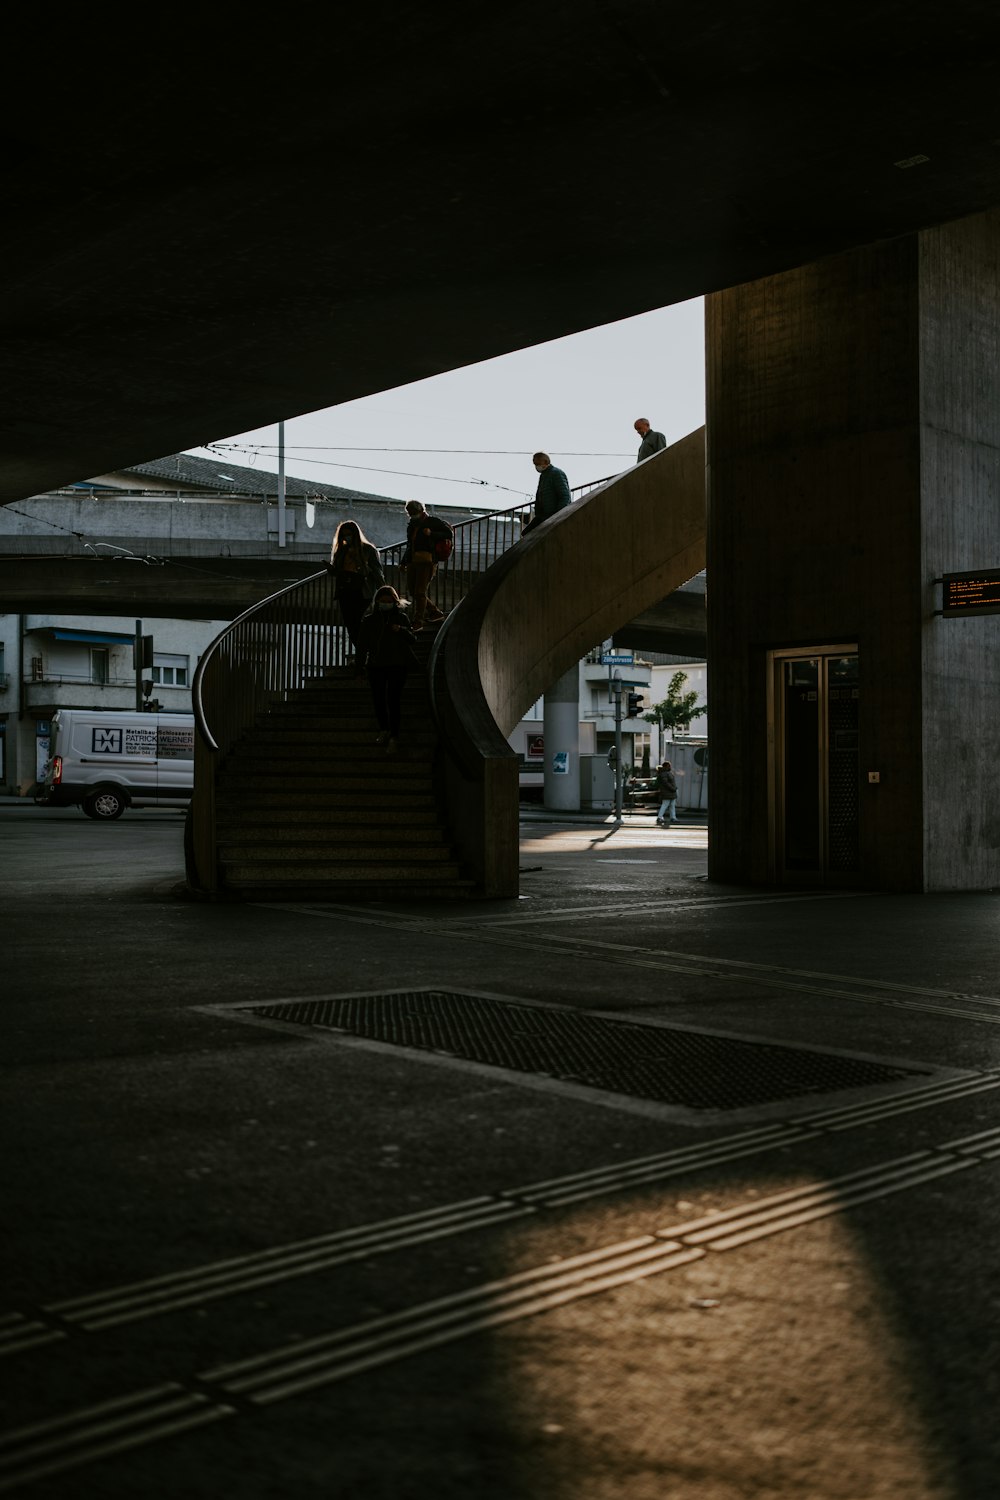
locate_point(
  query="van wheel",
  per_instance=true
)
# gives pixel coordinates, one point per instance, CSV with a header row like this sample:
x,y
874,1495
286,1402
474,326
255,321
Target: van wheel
x,y
106,804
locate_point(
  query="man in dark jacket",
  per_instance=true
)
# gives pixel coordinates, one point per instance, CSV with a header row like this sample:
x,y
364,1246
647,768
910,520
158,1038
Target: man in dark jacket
x,y
420,565
552,493
652,442
666,785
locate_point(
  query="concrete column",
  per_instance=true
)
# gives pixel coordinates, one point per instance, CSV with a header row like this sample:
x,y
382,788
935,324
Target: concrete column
x,y
853,441
561,714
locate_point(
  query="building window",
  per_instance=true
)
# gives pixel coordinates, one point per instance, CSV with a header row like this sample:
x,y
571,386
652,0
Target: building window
x,y
99,665
170,671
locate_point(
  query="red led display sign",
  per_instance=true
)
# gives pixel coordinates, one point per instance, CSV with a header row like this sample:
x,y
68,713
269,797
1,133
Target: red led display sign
x,y
971,593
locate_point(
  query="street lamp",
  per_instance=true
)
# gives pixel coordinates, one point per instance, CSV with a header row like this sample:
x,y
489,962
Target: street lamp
x,y
616,690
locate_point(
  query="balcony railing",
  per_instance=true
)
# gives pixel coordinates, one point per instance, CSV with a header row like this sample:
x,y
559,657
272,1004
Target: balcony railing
x,y
78,679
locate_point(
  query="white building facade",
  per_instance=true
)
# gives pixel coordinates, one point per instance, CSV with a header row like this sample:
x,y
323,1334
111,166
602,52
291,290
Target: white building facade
x,y
84,661
643,744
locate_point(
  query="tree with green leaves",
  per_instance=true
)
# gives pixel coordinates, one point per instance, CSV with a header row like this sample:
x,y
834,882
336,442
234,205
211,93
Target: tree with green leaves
x,y
678,708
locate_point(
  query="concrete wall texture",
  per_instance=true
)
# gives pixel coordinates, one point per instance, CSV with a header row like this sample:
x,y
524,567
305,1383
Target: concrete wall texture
x,y
852,457
959,350
196,526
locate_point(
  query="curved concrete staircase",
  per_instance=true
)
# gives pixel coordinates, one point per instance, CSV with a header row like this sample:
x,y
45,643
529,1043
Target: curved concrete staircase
x,y
293,798
576,580
308,806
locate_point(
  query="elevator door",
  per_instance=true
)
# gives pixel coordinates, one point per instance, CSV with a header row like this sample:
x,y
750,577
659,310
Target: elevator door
x,y
814,784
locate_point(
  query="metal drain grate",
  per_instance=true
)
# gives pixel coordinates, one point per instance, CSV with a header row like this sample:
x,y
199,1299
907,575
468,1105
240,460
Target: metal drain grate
x,y
690,1068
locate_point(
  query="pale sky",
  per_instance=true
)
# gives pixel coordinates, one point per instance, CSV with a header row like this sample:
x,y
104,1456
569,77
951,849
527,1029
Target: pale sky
x,y
576,398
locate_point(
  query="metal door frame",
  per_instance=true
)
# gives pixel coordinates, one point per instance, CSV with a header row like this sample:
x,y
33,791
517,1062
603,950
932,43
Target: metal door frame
x,y
776,661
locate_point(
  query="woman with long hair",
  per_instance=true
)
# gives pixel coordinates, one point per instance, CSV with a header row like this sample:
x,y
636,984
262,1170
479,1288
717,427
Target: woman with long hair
x,y
357,573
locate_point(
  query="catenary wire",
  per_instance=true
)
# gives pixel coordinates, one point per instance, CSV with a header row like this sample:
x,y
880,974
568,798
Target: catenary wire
x,y
271,448
327,463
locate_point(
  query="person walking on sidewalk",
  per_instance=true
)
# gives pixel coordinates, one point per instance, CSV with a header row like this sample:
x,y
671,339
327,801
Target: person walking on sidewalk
x,y
420,563
386,646
552,493
357,573
666,783
652,442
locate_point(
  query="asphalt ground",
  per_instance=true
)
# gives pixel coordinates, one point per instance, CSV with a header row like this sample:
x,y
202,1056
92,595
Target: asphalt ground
x,y
253,1257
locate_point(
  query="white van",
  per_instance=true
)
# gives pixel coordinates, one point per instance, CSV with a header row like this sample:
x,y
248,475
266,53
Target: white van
x,y
105,761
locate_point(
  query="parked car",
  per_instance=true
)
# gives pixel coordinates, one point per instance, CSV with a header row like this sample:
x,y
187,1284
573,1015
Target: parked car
x,y
642,794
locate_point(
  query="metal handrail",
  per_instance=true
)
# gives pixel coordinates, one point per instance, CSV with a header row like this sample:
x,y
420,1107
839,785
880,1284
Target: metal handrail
x,y
295,634
584,489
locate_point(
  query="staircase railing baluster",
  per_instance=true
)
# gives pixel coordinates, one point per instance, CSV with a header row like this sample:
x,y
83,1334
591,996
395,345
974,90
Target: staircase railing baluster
x,y
279,644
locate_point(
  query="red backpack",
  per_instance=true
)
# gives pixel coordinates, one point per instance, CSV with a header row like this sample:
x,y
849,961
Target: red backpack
x,y
442,538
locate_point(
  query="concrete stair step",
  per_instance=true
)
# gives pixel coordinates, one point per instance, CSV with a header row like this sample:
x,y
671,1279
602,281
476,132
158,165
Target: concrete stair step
x,y
356,687
278,838
340,711
349,777
423,887
336,874
279,855
353,760
396,800
242,811
237,818
308,806
338,705
352,741
330,692
347,677
416,681
368,794
317,731
306,746
301,728
424,642
356,752
336,708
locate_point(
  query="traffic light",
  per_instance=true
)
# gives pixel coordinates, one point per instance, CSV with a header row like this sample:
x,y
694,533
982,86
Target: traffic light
x,y
142,652
635,701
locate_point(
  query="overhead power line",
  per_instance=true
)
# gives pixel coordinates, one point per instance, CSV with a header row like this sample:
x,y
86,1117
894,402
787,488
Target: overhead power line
x,y
328,463
43,521
271,448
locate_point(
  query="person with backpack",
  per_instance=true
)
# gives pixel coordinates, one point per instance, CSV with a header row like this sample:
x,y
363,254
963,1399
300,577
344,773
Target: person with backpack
x,y
429,540
666,784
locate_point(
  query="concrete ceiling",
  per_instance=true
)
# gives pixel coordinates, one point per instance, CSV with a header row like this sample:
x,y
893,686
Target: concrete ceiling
x,y
216,222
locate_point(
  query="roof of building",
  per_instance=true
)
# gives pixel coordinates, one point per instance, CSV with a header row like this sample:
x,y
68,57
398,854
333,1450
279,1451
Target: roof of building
x,y
222,477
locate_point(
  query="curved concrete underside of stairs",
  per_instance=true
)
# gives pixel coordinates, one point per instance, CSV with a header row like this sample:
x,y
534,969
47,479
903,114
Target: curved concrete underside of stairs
x,y
543,606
